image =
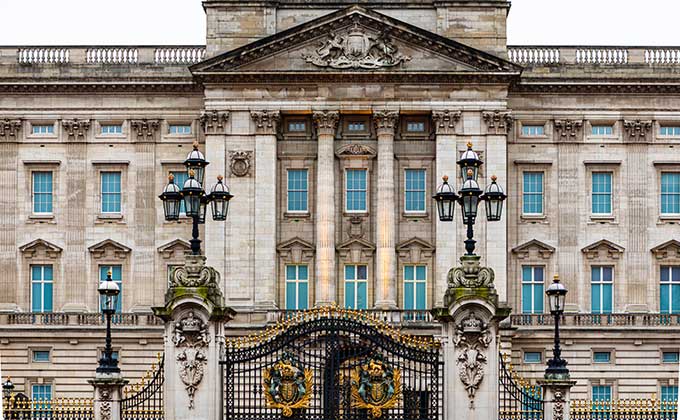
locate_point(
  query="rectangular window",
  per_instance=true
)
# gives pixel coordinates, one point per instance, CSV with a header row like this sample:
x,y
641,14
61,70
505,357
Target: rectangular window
x,y
41,393
42,283
414,194
180,179
671,130
601,289
356,285
355,126
602,130
355,190
110,192
297,287
297,190
533,357
669,393
116,276
43,129
670,193
533,130
41,356
415,126
602,393
297,126
602,192
602,357
180,128
415,286
42,192
670,290
112,129
670,357
532,193
532,289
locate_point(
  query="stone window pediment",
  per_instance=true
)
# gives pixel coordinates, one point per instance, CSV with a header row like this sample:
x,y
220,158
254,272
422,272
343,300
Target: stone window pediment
x,y
603,249
176,248
414,250
667,250
356,151
40,248
356,250
534,249
296,250
109,249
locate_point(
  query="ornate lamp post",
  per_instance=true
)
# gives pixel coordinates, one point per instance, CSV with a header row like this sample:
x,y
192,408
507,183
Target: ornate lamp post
x,y
195,198
469,196
557,367
108,290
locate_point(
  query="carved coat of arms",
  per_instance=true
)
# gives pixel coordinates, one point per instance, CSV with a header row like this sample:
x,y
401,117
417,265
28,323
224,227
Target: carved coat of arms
x,y
357,49
287,386
375,386
192,337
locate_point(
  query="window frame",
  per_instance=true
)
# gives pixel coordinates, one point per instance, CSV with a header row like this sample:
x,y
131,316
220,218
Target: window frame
x,y
535,125
42,282
670,283
102,276
297,281
356,280
542,193
51,393
595,126
593,193
180,124
366,190
415,282
423,191
347,120
34,351
603,386
102,193
609,353
601,283
669,351
533,283
661,194
288,190
287,134
540,358
34,172
675,128
103,129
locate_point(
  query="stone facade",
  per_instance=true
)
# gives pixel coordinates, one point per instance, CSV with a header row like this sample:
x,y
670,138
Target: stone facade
x,y
333,88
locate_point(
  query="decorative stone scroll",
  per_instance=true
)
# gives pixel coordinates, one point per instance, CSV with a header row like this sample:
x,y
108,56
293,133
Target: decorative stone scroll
x,y
266,121
445,121
9,128
326,121
76,128
356,49
497,122
568,129
146,129
194,273
637,130
191,334
472,340
240,162
469,274
214,122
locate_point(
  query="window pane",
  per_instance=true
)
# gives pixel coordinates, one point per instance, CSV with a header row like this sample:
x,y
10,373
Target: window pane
x,y
532,357
350,297
291,296
421,272
675,298
41,356
297,190
538,274
110,192
409,295
362,272
526,299
526,273
538,298
670,193
670,357
669,393
533,192
665,299
302,295
601,357
36,297
362,298
421,296
595,298
42,192
415,126
355,190
302,272
180,129
408,273
415,190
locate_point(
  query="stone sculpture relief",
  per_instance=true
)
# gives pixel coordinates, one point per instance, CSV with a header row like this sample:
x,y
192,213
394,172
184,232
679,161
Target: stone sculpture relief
x,y
105,399
469,274
214,121
239,162
558,406
9,128
472,340
497,122
76,128
192,336
194,273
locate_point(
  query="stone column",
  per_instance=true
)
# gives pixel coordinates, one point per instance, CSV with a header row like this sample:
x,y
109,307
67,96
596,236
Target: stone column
x,y
385,267
9,132
108,393
266,123
326,123
445,126
471,318
194,315
557,398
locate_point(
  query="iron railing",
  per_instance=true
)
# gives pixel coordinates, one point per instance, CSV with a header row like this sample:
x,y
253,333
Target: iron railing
x,y
517,399
638,409
19,407
144,401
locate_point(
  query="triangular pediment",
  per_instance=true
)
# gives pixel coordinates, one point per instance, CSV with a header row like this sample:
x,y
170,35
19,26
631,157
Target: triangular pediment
x,y
355,40
295,243
603,249
534,248
40,246
109,248
175,247
356,243
668,249
414,243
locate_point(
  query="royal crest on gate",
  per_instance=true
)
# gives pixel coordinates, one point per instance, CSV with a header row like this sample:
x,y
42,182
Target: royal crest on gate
x,y
287,386
375,386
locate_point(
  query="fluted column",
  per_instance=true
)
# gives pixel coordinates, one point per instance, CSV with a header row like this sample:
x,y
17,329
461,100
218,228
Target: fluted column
x,y
266,123
385,284
326,123
9,132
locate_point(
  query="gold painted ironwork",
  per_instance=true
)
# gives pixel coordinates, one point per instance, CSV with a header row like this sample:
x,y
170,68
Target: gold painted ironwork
x,y
624,409
131,389
55,408
375,387
287,386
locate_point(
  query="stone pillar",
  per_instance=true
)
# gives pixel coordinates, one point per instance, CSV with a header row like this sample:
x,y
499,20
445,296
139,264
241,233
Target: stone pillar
x,y
326,123
445,126
385,267
108,393
471,318
194,315
266,123
9,132
557,398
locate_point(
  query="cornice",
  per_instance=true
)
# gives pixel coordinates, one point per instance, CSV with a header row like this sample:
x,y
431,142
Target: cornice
x,y
396,77
600,86
187,86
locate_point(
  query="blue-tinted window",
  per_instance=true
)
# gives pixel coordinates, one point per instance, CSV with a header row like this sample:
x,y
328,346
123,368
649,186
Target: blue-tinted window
x,y
355,190
41,393
670,131
602,193
415,286
601,289
42,192
41,355
532,289
42,284
116,276
601,394
112,129
297,126
670,290
180,129
670,357
356,286
110,192
415,190
533,357
669,393
356,126
670,193
297,190
533,193
43,129
602,357
602,130
297,287
415,126
180,178
533,130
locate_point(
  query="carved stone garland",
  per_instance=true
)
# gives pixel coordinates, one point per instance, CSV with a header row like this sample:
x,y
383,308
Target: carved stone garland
x,y
497,122
76,128
637,130
445,121
214,121
191,335
472,341
105,407
558,406
145,129
9,128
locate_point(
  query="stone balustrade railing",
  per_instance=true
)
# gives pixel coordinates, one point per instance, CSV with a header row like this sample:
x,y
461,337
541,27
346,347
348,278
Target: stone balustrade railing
x,y
78,319
534,56
598,320
108,55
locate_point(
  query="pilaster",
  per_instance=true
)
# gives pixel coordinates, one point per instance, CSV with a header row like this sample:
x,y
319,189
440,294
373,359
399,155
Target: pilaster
x,y
9,132
557,398
326,122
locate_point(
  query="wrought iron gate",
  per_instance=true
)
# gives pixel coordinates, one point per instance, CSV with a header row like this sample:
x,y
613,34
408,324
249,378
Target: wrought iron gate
x,y
332,364
144,401
517,400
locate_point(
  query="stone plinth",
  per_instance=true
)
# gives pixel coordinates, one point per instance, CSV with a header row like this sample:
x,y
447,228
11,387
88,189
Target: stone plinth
x,y
557,396
108,393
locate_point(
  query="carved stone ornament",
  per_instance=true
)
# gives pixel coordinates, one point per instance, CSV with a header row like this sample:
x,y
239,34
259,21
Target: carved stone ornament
x,y
239,162
356,227
472,340
558,406
145,129
376,386
76,128
192,336
445,121
568,129
105,404
214,121
326,121
356,151
9,128
385,120
497,122
287,386
637,130
356,49
194,273
266,121
470,275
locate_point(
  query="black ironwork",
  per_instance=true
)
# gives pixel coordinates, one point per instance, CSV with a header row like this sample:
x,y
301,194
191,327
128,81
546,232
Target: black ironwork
x,y
147,403
333,347
517,400
107,363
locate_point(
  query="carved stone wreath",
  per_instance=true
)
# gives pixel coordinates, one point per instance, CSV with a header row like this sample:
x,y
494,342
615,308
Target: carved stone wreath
x,y
472,341
239,162
192,335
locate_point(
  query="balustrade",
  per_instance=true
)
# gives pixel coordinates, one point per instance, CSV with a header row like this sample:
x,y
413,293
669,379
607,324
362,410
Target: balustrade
x,y
597,320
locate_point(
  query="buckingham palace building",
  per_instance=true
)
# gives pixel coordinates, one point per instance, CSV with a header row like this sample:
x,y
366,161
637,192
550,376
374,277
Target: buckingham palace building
x,y
333,123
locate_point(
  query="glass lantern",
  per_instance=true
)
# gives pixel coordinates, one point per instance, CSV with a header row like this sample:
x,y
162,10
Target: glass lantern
x,y
192,192
446,199
494,198
557,293
196,162
219,200
171,197
469,195
469,161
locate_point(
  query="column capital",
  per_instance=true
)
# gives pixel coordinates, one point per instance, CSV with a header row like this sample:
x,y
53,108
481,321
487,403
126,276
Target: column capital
x,y
9,129
213,121
568,130
497,122
445,121
76,128
385,121
326,121
266,121
146,129
636,131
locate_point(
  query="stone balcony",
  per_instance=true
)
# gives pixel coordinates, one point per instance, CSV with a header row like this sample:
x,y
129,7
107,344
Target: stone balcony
x,y
597,321
553,56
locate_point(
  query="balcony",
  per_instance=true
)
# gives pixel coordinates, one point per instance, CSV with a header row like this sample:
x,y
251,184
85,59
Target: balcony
x,y
552,56
78,319
567,321
180,55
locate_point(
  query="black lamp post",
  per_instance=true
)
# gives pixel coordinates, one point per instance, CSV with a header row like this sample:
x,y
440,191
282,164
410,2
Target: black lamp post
x,y
195,198
108,290
7,388
469,196
557,367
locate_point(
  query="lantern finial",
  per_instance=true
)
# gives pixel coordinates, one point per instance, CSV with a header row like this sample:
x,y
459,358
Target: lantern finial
x,y
494,178
195,144
470,173
445,178
109,273
556,278
469,145
191,173
220,178
171,177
